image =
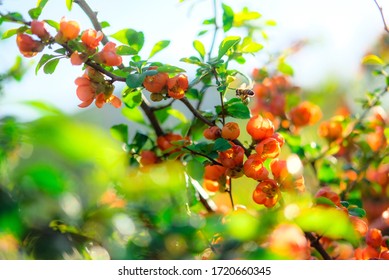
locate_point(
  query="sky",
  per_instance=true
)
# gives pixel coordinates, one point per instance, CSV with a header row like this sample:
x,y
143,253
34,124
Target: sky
x,y
339,34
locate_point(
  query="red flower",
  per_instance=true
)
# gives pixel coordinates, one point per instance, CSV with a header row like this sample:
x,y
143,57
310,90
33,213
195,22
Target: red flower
x,y
267,193
268,148
305,113
28,47
260,128
253,168
38,28
177,86
68,30
233,157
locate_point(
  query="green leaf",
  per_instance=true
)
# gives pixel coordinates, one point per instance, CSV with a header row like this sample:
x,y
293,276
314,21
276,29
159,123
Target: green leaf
x,y
199,47
327,173
162,115
135,80
372,59
44,59
43,107
104,24
50,66
177,114
125,50
131,38
9,33
41,3
133,99
228,17
139,141
356,211
69,4
134,114
209,21
52,23
285,68
245,15
170,69
227,44
194,60
159,47
271,22
249,46
328,222
221,145
235,108
35,12
120,132
195,169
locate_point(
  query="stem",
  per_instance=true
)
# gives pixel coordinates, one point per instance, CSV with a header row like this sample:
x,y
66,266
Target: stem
x,y
152,118
382,16
220,93
92,16
203,155
195,112
215,30
316,244
230,192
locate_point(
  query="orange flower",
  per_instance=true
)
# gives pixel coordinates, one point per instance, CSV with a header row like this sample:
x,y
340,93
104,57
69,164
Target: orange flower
x,y
77,58
148,158
211,185
268,148
331,130
230,131
108,55
260,128
253,168
38,28
68,30
377,140
28,47
170,141
91,38
267,193
92,86
214,172
156,83
233,157
212,133
305,113
374,238
177,86
328,193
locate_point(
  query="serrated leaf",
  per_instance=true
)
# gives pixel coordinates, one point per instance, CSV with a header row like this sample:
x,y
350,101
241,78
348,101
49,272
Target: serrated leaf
x,y
35,12
159,47
228,17
227,44
135,80
69,4
125,50
120,132
50,66
372,59
221,145
195,169
9,33
52,23
133,99
199,47
130,37
44,59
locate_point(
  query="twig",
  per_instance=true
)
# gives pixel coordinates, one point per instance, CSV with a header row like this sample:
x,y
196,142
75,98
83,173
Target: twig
x,y
163,106
214,32
93,17
230,192
195,112
152,118
203,155
382,16
316,244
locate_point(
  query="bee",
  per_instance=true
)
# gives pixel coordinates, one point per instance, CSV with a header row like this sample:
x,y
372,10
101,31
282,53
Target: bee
x,y
244,93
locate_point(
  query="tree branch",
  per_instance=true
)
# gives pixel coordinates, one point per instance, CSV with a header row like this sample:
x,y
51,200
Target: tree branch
x,y
316,244
382,16
195,112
